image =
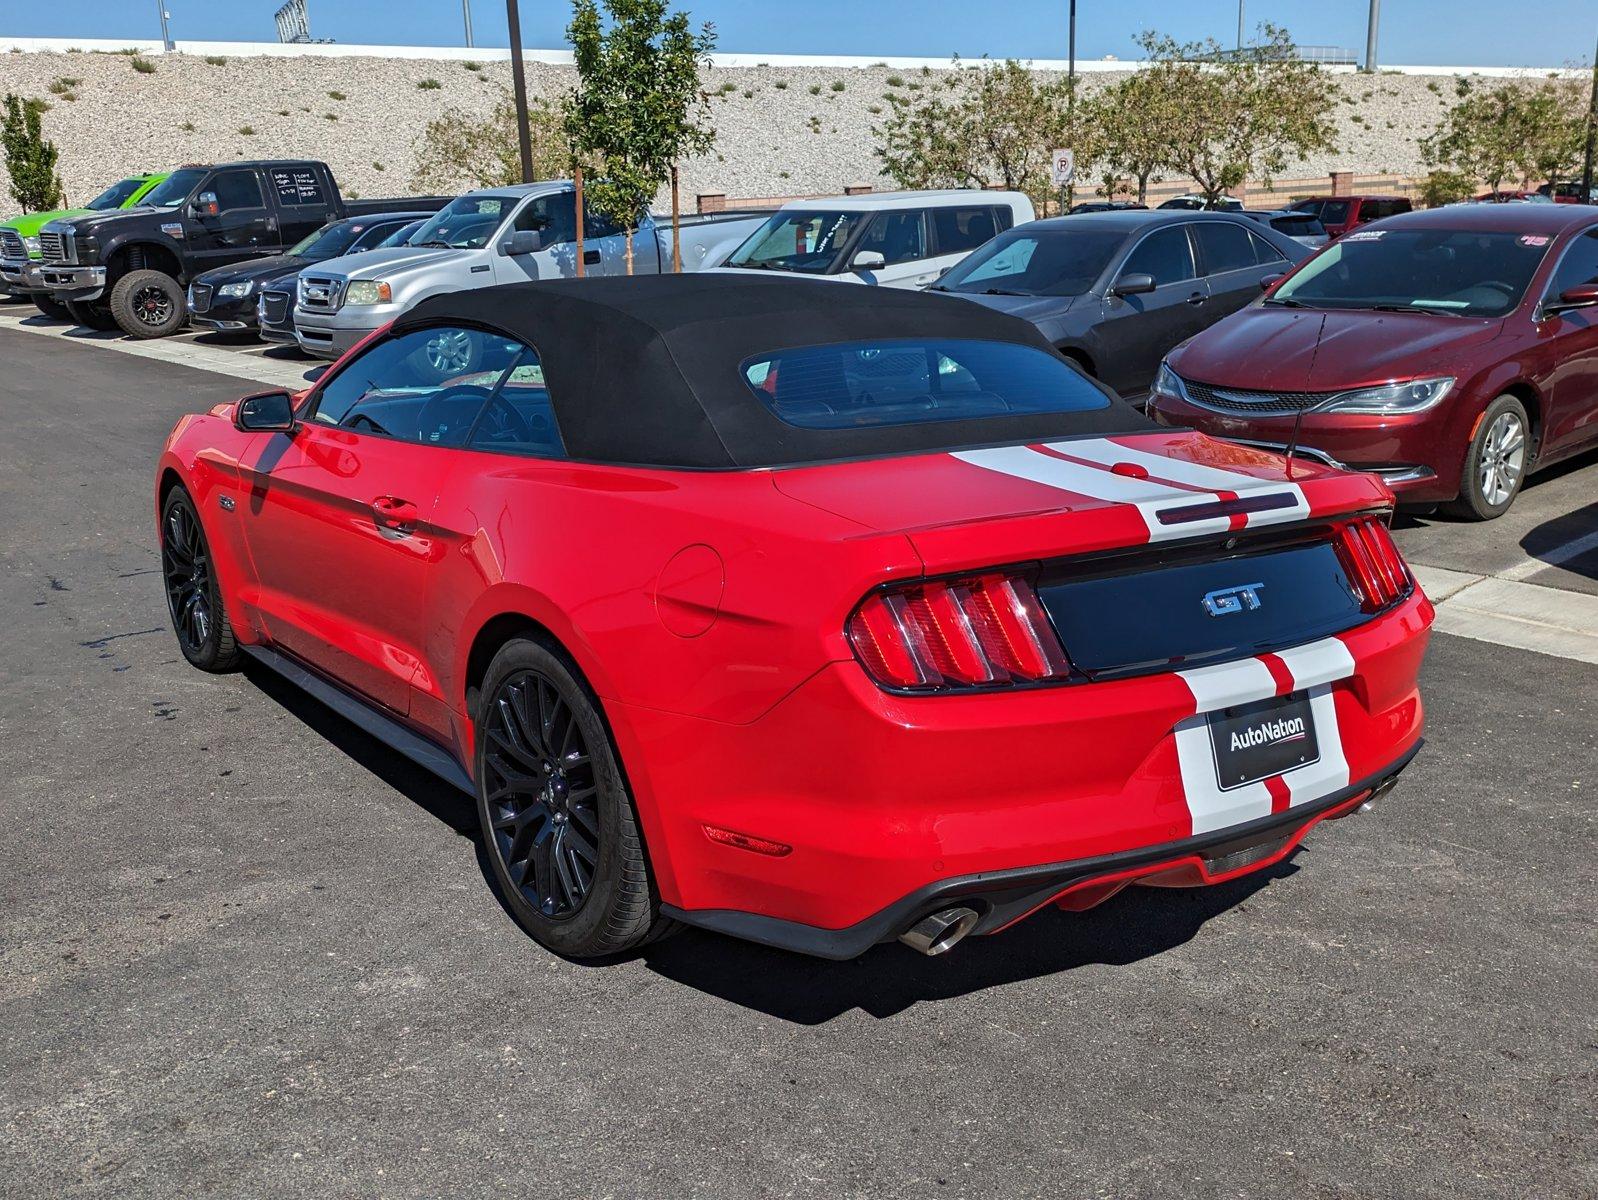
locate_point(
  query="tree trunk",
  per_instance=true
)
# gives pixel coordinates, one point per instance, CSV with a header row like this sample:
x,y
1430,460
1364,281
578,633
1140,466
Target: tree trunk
x,y
577,187
629,251
676,225
1143,187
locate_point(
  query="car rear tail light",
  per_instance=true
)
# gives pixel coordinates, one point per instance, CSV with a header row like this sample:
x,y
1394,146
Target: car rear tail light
x,y
983,631
1372,562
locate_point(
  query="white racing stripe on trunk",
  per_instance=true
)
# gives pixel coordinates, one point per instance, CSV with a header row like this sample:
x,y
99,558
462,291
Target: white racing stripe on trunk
x,y
1145,495
1314,667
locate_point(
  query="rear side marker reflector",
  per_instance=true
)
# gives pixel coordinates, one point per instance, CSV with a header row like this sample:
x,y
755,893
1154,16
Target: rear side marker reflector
x,y
743,841
1372,563
983,631
1226,508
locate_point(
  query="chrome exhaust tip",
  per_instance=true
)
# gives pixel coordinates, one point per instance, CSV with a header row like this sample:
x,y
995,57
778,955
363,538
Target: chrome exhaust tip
x,y
940,932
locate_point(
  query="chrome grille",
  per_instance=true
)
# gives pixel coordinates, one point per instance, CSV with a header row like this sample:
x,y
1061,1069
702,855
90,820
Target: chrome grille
x,y
1250,403
11,244
55,248
200,297
320,293
274,307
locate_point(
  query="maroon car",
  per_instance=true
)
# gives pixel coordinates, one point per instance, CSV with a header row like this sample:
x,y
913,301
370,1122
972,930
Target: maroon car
x,y
1450,351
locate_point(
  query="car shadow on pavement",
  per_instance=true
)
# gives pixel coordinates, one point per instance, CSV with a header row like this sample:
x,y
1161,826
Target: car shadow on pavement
x,y
1552,536
888,979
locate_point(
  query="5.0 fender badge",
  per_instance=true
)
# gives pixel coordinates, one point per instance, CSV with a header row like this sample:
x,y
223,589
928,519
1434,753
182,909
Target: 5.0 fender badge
x,y
226,502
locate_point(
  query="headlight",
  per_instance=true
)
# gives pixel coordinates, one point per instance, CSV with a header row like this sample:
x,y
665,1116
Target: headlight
x,y
1411,396
366,291
31,245
236,289
1166,383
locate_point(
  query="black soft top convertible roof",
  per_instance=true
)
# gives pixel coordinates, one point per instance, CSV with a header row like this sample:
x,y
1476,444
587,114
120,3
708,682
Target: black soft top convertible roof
x,y
644,371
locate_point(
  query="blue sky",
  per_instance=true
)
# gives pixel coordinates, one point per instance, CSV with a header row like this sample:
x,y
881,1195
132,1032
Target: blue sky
x,y
1451,32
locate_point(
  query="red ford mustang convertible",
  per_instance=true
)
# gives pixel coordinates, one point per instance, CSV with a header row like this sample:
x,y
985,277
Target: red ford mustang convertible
x,y
817,616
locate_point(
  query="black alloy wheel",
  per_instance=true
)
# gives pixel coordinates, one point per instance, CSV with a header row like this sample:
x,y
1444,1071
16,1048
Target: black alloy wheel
x,y
541,794
558,823
193,597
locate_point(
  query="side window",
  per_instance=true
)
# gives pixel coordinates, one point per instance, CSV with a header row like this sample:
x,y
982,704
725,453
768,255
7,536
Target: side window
x,y
235,189
1580,264
1003,218
1335,212
554,216
1224,247
1267,255
597,225
426,386
958,230
898,236
1165,255
372,235
519,419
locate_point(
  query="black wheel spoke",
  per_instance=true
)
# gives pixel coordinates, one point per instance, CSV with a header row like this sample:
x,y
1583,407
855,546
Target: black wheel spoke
x,y
541,795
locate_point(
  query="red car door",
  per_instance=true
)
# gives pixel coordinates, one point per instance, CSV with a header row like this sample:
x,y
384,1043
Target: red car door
x,y
1569,341
339,517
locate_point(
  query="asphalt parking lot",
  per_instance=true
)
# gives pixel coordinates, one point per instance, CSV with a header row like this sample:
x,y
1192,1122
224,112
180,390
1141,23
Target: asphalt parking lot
x,y
245,950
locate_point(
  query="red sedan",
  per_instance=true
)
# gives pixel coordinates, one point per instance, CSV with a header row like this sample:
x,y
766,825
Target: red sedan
x,y
1452,351
817,616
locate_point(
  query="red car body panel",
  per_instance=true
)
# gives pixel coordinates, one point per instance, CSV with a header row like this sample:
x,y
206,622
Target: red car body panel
x,y
1550,363
707,610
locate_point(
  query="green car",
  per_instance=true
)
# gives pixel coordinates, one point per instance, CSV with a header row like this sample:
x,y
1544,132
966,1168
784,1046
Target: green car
x,y
19,239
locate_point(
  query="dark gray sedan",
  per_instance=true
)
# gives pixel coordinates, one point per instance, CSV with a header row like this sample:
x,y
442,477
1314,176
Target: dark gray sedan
x,y
1117,291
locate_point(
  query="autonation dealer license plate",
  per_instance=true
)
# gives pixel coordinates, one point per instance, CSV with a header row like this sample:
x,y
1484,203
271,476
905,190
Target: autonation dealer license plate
x,y
1255,741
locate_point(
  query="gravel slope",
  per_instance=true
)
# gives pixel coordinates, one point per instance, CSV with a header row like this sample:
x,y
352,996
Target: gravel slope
x,y
781,130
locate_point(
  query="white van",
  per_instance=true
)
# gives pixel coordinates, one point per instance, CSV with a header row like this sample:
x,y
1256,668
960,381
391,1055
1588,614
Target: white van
x,y
891,239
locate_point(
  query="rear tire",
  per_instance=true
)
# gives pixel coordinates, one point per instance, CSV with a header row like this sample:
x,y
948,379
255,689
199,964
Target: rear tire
x,y
558,822
149,304
193,592
51,308
91,314
1495,463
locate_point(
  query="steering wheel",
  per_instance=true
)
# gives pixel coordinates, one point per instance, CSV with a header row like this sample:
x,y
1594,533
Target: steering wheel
x,y
501,422
449,409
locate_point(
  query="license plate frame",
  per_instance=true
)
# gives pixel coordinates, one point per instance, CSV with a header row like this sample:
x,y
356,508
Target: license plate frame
x,y
1250,743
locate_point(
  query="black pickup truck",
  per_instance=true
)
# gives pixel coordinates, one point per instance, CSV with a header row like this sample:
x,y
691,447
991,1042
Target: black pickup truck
x,y
129,269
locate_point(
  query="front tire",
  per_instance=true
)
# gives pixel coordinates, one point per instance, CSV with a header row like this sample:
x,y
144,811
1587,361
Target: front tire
x,y
149,304
91,314
51,308
557,819
1495,463
193,593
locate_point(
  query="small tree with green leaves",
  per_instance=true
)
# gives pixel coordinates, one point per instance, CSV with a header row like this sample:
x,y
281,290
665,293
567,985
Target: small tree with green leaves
x,y
639,107
989,123
460,148
30,158
1242,114
1521,131
1133,122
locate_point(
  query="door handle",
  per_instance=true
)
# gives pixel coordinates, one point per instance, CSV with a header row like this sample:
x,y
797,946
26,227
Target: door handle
x,y
590,257
391,512
1196,298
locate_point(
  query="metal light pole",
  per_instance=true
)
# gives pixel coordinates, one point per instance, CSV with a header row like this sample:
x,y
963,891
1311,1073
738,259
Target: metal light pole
x,y
1592,135
1070,103
524,137
166,33
466,15
1239,24
1070,70
1370,36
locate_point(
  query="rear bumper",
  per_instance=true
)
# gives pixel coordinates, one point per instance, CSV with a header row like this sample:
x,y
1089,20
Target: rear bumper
x,y
73,283
1004,897
889,801
1415,456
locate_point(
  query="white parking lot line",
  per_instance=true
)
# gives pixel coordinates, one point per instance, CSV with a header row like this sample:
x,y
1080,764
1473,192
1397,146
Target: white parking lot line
x,y
1551,558
283,373
1507,611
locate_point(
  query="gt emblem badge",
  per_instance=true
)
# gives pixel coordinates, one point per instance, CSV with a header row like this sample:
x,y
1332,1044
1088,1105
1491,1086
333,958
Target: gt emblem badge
x,y
1226,600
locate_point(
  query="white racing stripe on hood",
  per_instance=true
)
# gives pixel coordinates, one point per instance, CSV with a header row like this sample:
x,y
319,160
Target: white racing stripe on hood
x,y
1146,495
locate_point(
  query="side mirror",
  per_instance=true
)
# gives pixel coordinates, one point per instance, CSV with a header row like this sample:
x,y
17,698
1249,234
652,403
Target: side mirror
x,y
1270,281
205,205
1135,284
265,412
524,241
1583,295
868,260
